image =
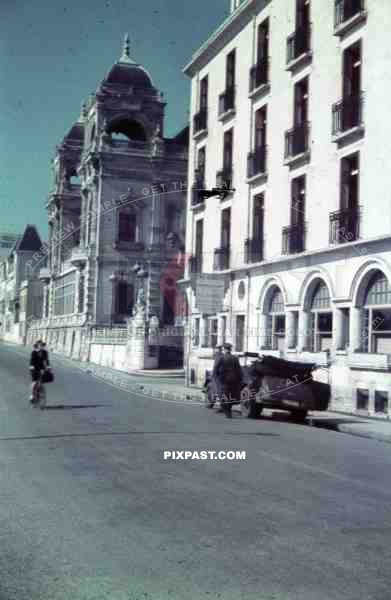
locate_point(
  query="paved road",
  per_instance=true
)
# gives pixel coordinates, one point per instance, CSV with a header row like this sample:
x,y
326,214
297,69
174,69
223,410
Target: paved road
x,y
89,509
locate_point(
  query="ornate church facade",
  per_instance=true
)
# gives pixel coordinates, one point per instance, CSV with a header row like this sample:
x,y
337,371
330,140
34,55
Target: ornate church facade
x,y
116,217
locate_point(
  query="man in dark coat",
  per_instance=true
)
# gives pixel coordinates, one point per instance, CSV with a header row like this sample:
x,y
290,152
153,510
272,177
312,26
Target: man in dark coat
x,y
228,373
37,366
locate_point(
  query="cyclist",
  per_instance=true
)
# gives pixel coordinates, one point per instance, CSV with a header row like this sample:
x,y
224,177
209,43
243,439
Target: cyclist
x,y
37,366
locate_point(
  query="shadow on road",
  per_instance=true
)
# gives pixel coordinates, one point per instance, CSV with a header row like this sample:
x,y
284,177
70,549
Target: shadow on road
x,y
71,406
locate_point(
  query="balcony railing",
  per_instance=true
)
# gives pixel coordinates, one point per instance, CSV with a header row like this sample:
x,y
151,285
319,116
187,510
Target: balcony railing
x,y
200,121
221,258
345,225
259,74
347,9
227,101
297,140
256,162
198,186
348,113
253,250
293,239
224,179
298,43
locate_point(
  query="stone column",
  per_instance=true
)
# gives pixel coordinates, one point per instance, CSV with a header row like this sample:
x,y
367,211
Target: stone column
x,y
355,329
203,331
136,345
262,330
290,330
222,323
303,333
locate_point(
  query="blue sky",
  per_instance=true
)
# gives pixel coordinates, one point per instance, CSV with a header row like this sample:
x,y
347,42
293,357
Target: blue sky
x,y
53,54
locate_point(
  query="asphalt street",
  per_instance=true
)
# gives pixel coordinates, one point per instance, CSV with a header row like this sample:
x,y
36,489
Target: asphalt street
x,y
89,508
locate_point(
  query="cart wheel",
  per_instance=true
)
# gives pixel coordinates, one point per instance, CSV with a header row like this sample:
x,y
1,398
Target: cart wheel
x,y
250,408
299,415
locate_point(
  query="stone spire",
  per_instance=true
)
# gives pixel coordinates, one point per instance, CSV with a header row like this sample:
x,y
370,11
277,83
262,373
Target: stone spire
x,y
125,58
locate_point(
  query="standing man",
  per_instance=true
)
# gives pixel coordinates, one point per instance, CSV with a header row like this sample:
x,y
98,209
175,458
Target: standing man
x,y
228,373
36,369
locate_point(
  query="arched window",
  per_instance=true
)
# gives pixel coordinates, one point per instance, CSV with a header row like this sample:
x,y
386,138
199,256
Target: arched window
x,y
127,129
127,226
376,315
321,319
275,338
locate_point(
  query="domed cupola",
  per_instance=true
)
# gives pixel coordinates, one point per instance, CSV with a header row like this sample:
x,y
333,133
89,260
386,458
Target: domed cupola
x,y
126,72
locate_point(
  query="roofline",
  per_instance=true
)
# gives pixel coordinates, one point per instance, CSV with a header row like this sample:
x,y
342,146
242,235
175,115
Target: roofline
x,y
228,28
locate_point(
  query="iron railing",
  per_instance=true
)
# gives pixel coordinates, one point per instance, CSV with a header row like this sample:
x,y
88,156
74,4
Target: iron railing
x,y
297,140
221,258
259,74
345,225
293,239
256,161
346,9
253,250
227,100
348,113
298,43
200,121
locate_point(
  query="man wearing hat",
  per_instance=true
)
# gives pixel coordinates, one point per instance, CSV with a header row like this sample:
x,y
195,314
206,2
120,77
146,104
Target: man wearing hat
x,y
228,373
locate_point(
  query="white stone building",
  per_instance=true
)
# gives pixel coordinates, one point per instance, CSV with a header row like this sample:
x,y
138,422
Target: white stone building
x,y
115,219
289,105
21,292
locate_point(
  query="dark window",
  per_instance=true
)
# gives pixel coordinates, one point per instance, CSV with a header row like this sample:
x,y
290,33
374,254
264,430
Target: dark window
x,y
381,402
352,71
226,228
260,128
199,244
302,14
298,201
258,217
362,399
125,298
204,85
350,182
263,41
230,69
201,158
228,151
127,227
240,327
301,102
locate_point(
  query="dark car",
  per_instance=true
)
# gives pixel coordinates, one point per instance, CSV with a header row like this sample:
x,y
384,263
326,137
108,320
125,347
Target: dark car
x,y
271,382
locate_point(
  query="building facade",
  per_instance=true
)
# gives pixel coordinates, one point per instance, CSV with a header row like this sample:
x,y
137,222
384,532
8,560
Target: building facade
x,y
21,292
113,225
289,212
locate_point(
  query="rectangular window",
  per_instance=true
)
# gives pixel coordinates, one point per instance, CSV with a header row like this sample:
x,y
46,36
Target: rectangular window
x,y
213,329
381,402
204,86
362,399
196,338
260,127
201,158
263,41
127,227
228,151
230,69
301,102
258,217
351,86
350,170
240,329
226,228
199,244
298,200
